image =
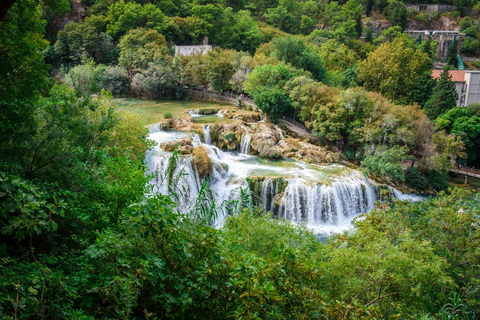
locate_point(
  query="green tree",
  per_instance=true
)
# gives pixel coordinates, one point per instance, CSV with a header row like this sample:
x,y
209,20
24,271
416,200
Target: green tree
x,y
368,8
464,124
293,50
452,54
245,35
23,75
423,89
125,16
220,70
393,69
384,162
353,10
266,85
397,14
444,96
155,82
337,56
141,46
470,45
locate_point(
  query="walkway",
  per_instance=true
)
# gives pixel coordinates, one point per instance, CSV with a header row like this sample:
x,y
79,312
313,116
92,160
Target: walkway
x,y
230,98
468,172
292,125
299,128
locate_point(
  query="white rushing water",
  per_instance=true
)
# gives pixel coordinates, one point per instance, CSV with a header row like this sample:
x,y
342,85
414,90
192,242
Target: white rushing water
x,y
326,198
206,133
245,143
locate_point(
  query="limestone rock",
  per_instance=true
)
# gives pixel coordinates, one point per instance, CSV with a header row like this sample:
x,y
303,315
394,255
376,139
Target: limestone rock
x,y
181,124
264,142
305,151
226,135
184,146
202,162
249,117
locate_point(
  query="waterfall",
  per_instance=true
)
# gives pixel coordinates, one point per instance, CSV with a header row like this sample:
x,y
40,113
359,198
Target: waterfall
x,y
404,196
268,194
195,113
319,204
180,179
279,131
245,144
155,128
325,198
206,133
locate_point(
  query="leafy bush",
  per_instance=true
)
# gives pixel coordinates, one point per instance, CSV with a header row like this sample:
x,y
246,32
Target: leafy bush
x,y
470,45
385,162
168,115
414,179
155,82
88,78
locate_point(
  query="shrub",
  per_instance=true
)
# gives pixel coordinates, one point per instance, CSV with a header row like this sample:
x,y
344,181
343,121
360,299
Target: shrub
x,y
168,115
87,78
414,179
155,82
385,162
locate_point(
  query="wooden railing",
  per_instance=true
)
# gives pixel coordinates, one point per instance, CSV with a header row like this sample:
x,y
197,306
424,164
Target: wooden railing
x,y
467,171
296,123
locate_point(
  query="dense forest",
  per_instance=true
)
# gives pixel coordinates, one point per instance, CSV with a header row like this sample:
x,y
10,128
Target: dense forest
x,y
83,237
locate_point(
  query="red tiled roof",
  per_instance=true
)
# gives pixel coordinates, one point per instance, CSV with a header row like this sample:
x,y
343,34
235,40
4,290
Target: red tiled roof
x,y
457,75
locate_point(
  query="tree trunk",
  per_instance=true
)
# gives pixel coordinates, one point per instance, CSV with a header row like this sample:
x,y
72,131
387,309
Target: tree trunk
x,y
4,6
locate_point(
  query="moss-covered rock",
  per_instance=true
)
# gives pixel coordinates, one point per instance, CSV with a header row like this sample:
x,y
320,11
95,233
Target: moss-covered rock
x,y
202,162
197,128
184,146
205,111
249,117
226,135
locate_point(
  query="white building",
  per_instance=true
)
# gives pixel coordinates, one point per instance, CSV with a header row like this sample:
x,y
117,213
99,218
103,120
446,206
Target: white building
x,y
467,84
189,50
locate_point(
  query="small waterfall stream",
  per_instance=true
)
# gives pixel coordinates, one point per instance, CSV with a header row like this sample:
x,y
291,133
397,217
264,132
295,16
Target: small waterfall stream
x,y
245,143
206,133
326,198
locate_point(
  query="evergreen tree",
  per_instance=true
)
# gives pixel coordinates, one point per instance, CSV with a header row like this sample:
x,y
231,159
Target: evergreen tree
x,y
368,8
397,14
423,88
368,35
444,96
452,54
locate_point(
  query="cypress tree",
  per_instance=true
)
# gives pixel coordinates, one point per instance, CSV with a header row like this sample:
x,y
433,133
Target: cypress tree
x,y
368,8
452,54
444,96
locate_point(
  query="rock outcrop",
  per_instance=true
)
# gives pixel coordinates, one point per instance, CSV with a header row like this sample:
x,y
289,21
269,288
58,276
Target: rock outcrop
x,y
227,135
264,142
184,146
202,162
180,124
302,150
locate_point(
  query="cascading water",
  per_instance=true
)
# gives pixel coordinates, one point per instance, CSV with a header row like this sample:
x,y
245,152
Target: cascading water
x,y
155,128
206,133
326,198
245,143
279,131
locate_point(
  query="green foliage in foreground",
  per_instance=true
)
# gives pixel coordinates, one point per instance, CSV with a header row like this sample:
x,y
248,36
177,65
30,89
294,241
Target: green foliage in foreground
x,y
402,260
